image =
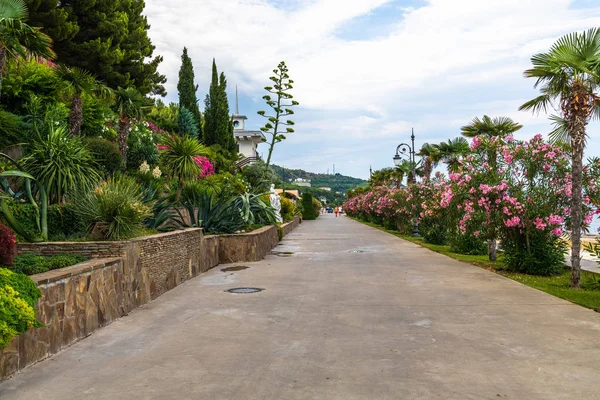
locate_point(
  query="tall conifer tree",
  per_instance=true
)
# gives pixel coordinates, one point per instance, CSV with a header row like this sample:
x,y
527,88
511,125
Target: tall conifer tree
x,y
218,127
187,90
108,38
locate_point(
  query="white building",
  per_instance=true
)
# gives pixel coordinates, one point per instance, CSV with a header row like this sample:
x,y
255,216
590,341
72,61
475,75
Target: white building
x,y
326,188
302,182
247,140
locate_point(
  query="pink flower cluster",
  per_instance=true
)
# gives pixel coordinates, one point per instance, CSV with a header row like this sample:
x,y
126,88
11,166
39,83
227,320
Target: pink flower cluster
x,y
206,167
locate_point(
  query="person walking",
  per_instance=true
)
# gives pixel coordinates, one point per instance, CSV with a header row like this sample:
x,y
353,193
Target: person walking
x,y
335,211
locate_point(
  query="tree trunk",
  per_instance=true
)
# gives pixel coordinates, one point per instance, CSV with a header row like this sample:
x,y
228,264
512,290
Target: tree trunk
x,y
124,123
577,130
427,169
492,249
76,115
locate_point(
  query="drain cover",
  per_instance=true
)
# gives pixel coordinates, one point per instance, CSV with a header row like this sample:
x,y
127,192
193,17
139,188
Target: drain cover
x,y
244,290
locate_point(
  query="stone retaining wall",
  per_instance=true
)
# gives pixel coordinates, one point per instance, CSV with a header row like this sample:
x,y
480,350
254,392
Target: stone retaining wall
x,y
78,300
252,246
289,226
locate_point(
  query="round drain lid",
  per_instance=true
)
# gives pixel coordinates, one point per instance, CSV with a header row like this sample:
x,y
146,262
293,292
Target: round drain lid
x,y
244,290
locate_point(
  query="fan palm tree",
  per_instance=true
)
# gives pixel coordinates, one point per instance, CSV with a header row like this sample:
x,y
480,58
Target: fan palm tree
x,y
486,126
428,153
569,74
129,104
17,39
77,83
451,152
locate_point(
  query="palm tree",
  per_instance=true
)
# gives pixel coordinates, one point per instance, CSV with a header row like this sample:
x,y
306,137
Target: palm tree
x,y
500,127
569,74
428,152
17,39
129,104
77,83
451,152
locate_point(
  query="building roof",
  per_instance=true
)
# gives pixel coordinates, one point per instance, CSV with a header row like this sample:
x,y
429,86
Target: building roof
x,y
292,193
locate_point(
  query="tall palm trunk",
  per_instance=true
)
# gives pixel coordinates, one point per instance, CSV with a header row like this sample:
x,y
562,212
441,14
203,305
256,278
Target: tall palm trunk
x,y
577,108
577,144
124,124
427,168
76,115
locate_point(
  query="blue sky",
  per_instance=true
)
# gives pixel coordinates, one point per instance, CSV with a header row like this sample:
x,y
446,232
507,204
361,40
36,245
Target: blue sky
x,y
367,71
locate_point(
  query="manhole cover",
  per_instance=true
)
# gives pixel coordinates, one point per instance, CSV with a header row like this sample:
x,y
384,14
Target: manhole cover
x,y
282,253
235,268
244,290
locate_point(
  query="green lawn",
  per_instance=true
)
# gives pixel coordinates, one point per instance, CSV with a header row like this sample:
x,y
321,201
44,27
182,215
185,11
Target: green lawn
x,y
559,286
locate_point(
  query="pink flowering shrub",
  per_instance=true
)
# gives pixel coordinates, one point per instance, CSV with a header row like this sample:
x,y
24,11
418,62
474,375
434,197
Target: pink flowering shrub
x,y
206,167
524,200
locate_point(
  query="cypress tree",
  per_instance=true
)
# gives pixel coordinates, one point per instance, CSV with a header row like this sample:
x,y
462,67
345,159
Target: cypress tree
x,y
226,139
211,104
187,90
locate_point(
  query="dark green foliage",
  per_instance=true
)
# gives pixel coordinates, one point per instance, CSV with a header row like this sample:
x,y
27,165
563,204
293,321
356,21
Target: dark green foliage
x,y
31,264
27,289
309,212
106,154
186,124
433,231
218,128
63,222
95,114
10,129
187,92
109,38
539,254
468,244
260,177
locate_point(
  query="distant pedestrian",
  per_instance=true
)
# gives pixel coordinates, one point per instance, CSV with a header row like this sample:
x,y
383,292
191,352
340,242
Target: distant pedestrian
x,y
341,211
335,210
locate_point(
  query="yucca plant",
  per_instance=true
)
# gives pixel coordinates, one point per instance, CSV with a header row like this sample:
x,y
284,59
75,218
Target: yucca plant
x,y
61,163
114,210
177,156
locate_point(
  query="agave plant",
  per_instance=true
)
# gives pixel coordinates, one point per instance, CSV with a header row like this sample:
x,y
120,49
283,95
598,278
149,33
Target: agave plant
x,y
203,207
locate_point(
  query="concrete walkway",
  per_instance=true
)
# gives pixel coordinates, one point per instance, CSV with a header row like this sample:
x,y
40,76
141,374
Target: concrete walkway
x,y
353,313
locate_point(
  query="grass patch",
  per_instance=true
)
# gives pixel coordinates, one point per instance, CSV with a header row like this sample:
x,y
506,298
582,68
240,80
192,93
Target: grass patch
x,y
559,286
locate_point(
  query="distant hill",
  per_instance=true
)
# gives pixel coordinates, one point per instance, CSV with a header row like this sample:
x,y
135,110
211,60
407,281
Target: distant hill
x,y
337,183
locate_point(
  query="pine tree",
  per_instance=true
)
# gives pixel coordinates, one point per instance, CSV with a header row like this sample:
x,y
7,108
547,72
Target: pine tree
x,y
218,127
108,38
187,90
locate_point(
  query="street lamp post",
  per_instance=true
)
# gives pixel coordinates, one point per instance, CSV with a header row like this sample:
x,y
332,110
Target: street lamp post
x,y
408,150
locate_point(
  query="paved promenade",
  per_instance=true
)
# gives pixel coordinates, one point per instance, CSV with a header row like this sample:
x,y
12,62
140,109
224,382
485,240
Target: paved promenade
x,y
348,312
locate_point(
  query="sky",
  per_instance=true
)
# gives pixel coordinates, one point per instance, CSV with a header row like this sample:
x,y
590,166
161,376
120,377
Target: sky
x,y
368,71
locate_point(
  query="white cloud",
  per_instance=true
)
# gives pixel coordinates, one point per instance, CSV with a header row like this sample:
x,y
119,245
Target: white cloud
x,y
438,66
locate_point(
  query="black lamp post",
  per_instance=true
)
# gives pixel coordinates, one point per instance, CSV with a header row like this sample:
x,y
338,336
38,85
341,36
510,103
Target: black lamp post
x,y
408,151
